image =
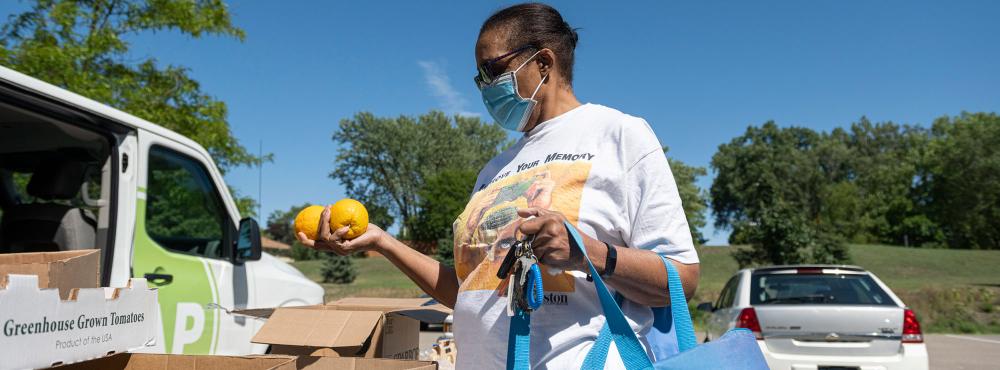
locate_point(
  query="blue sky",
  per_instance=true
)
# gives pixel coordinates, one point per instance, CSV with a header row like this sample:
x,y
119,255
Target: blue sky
x,y
699,72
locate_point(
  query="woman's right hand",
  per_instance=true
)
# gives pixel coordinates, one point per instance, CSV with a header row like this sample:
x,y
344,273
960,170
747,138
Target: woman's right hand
x,y
372,239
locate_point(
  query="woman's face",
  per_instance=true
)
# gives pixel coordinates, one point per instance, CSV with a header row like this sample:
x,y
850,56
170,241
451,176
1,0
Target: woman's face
x,y
491,45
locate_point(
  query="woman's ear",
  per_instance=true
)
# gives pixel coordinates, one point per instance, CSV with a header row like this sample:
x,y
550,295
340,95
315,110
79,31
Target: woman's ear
x,y
546,61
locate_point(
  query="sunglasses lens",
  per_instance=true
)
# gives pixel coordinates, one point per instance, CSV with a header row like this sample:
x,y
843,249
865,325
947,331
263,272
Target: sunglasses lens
x,y
484,76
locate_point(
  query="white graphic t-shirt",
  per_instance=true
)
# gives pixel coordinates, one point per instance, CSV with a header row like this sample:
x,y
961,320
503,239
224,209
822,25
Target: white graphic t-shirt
x,y
606,172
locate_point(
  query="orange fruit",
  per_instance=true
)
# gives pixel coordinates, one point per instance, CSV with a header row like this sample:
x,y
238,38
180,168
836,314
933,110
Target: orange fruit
x,y
307,221
351,213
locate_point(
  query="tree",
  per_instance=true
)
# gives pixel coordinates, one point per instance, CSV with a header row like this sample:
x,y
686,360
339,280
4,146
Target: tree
x,y
873,182
964,181
246,205
883,165
442,198
384,162
281,227
445,252
782,236
281,224
768,190
83,46
693,199
338,269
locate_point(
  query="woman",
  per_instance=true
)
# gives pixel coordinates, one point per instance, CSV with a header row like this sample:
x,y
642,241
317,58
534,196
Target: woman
x,y
600,169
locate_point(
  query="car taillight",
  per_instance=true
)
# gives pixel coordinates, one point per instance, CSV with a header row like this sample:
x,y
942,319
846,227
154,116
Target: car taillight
x,y
911,328
748,320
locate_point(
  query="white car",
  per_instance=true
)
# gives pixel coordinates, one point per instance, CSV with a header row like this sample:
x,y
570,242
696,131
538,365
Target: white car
x,y
820,317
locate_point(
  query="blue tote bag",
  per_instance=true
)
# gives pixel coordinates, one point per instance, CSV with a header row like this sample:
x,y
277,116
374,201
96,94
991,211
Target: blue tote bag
x,y
737,349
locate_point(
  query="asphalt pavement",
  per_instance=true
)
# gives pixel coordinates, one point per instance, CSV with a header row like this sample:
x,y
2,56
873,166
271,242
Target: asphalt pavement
x,y
963,352
946,351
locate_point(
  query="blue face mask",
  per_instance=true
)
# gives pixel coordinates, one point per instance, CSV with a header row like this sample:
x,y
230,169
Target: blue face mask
x,y
507,107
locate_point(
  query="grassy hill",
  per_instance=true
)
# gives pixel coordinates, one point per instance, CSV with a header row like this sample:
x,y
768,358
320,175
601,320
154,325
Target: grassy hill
x,y
377,277
950,290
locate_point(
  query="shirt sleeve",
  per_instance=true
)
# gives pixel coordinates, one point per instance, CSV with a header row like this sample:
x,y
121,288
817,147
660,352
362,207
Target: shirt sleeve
x,y
654,209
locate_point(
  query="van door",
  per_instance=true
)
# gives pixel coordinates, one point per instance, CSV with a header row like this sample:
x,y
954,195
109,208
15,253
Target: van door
x,y
183,237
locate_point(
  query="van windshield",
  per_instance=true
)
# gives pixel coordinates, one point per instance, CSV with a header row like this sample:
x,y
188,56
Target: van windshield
x,y
835,289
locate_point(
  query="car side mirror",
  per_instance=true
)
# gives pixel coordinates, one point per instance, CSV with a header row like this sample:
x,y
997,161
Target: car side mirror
x,y
247,246
706,306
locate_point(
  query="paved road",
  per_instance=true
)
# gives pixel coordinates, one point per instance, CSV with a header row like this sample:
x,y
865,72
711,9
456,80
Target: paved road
x,y
963,352
946,351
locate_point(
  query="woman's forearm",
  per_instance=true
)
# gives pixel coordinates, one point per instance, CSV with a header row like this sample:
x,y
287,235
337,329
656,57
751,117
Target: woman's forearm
x,y
430,275
640,275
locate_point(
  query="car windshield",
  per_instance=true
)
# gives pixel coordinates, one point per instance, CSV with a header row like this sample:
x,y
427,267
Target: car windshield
x,y
841,289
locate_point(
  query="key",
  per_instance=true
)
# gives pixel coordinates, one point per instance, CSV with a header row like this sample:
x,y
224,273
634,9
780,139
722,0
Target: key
x,y
513,290
525,264
508,261
525,260
520,265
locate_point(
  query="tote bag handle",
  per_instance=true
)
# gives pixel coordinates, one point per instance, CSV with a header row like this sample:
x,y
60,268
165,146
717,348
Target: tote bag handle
x,y
683,326
616,328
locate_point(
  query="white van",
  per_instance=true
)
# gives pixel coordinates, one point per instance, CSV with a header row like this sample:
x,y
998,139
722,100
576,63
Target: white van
x,y
77,174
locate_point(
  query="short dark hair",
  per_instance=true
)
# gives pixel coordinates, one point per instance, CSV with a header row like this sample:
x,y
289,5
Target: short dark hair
x,y
537,25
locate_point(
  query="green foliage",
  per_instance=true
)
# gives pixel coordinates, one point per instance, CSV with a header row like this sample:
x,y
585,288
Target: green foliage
x,y
446,250
281,224
178,206
442,199
882,183
873,190
83,46
246,205
385,162
693,198
781,235
338,269
281,227
380,279
767,189
966,310
300,252
964,186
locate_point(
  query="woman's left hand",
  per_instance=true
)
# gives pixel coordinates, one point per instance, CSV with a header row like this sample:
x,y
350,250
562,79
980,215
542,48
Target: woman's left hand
x,y
551,243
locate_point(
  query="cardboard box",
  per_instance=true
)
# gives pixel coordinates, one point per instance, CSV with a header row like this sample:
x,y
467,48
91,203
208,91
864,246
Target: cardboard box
x,y
351,327
62,270
38,329
352,363
148,361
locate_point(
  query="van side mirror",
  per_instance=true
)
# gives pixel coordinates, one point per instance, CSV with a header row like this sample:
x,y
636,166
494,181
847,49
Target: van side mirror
x,y
247,246
706,306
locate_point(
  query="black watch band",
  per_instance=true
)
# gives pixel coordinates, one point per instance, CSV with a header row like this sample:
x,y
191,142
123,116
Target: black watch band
x,y
610,262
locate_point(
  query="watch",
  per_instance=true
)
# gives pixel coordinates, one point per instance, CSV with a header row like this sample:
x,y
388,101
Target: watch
x,y
610,261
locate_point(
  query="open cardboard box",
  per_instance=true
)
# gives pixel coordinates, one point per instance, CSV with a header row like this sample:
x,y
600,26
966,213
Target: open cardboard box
x,y
61,270
145,361
40,329
350,327
148,361
351,363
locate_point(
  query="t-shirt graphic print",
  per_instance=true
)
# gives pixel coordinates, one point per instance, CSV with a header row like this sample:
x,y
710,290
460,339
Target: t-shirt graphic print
x,y
491,222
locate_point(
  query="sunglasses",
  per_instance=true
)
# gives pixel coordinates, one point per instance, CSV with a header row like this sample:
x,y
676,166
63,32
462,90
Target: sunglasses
x,y
488,71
